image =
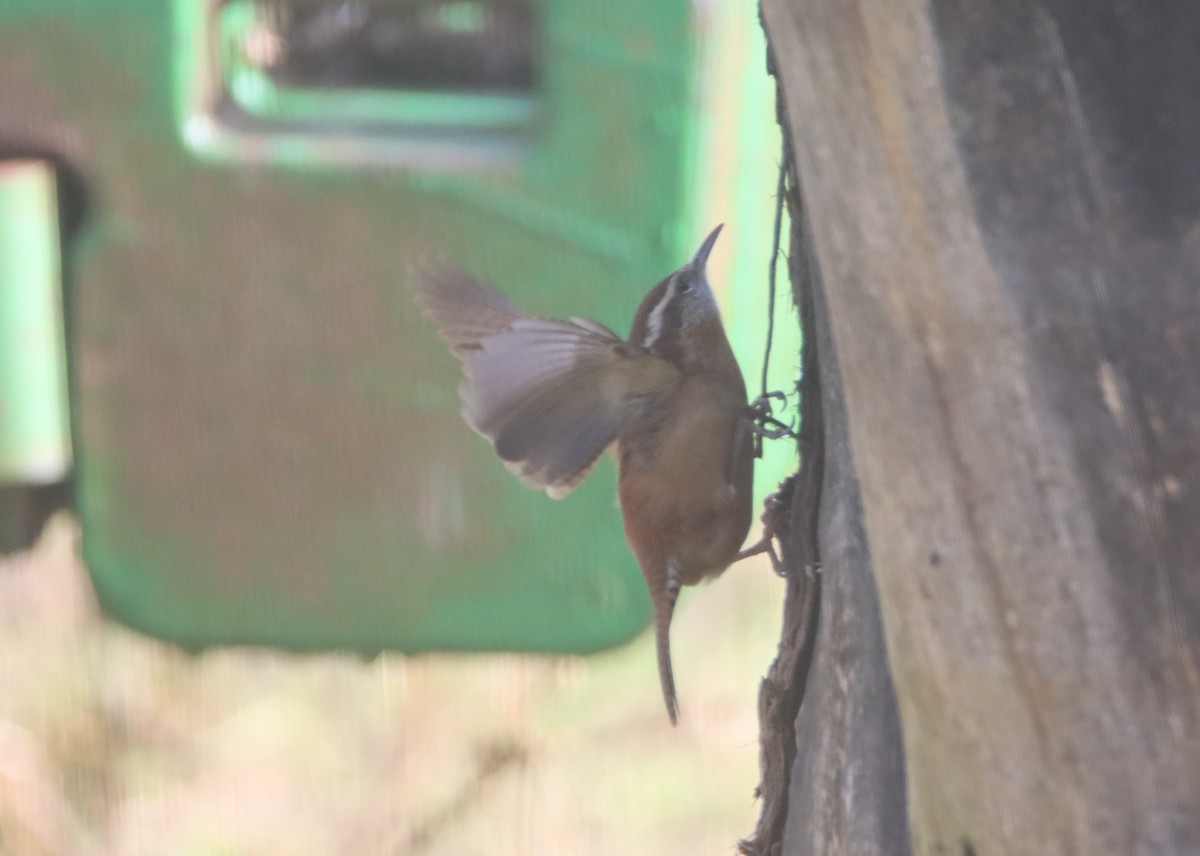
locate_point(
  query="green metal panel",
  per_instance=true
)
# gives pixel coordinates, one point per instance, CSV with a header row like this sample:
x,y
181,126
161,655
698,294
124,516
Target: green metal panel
x,y
267,439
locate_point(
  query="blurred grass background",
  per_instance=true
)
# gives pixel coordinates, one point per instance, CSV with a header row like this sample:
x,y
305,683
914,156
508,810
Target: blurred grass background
x,y
111,742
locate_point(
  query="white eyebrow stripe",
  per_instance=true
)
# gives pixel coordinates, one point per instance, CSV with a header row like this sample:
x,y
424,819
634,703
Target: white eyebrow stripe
x,y
655,319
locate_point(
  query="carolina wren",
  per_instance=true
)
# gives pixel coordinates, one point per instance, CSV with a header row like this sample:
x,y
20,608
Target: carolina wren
x,y
552,396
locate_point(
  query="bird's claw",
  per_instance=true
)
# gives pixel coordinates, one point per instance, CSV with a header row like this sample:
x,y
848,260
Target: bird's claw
x,y
764,400
762,417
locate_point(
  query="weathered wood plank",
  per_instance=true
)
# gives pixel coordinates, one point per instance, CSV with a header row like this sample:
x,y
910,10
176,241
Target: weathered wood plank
x,y
1005,209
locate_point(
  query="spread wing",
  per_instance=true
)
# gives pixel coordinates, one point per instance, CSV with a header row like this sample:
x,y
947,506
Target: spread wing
x,y
465,309
548,394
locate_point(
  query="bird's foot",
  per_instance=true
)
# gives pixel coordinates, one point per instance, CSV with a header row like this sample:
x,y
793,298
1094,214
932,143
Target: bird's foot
x,y
762,417
773,506
764,545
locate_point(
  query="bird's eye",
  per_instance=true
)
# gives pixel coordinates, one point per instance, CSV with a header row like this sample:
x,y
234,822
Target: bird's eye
x,y
685,287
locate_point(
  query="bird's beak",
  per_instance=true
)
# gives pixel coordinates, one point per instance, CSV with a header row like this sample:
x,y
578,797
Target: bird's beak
x,y
701,257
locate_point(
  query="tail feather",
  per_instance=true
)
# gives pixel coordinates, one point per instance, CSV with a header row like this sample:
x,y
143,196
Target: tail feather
x,y
664,608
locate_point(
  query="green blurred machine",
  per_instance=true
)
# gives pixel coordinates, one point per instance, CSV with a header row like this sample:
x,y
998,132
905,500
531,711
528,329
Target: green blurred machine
x,y
265,434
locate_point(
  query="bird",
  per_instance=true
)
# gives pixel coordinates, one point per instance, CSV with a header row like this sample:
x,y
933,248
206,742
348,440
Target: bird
x,y
553,395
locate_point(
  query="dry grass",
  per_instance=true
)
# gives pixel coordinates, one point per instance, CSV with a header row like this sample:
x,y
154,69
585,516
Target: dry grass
x,y
111,742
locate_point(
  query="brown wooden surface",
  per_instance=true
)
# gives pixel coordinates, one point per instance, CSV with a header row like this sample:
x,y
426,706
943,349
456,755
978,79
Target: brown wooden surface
x,y
832,759
1004,206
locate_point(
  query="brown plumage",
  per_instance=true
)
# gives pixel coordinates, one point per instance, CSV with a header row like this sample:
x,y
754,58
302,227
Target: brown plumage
x,y
551,396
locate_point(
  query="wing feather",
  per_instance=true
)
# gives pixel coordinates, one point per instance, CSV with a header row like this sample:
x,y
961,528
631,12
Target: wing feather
x,y
549,395
464,308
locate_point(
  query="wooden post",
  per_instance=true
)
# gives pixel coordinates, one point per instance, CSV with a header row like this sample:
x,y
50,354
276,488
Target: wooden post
x,y
1003,210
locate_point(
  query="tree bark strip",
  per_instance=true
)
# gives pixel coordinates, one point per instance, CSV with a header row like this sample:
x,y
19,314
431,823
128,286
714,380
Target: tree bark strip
x,y
847,790
833,765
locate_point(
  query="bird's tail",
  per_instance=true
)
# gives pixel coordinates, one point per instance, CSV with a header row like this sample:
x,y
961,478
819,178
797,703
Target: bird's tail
x,y
664,608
